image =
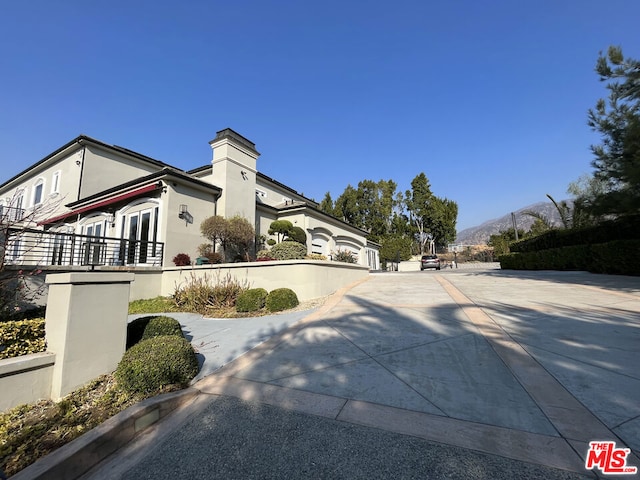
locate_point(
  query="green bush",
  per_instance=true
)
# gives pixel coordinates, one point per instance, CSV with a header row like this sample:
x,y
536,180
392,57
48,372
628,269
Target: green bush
x,y
156,363
281,299
624,228
297,234
345,256
144,328
264,256
152,305
251,300
620,257
21,337
159,326
288,250
150,326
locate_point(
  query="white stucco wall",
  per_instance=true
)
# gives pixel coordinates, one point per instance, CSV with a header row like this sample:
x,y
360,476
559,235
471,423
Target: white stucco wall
x,y
104,169
308,278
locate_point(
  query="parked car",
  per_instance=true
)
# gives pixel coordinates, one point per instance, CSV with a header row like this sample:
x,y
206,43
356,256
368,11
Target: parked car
x,y
429,261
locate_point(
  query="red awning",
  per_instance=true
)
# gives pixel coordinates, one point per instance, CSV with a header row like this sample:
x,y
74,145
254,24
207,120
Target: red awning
x,y
102,203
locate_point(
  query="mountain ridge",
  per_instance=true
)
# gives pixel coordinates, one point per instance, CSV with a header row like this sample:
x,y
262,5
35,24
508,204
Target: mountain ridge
x,y
479,235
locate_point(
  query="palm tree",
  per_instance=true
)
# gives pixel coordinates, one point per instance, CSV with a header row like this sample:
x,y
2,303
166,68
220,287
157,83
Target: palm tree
x,y
573,216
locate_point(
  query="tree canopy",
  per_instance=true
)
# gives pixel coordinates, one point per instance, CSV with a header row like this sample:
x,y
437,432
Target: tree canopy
x,y
401,223
236,235
617,119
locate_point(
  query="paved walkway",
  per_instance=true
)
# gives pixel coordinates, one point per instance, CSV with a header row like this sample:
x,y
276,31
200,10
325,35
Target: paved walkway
x,y
451,374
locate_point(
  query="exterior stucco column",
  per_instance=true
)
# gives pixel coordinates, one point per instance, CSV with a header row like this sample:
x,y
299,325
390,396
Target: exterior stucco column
x,y
86,326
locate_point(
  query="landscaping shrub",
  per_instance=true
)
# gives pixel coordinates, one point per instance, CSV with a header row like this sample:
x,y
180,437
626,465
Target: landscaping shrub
x,y
316,256
251,300
182,260
159,326
288,250
624,228
264,256
21,337
152,305
144,328
202,295
297,234
156,363
206,250
620,257
281,299
344,256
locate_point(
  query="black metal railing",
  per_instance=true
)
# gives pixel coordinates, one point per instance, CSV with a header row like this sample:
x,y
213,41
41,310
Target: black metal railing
x,y
37,247
11,214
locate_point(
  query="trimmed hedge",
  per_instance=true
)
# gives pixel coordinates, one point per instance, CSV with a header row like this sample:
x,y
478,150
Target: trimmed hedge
x,y
281,299
288,250
22,337
153,364
251,300
144,328
625,228
621,257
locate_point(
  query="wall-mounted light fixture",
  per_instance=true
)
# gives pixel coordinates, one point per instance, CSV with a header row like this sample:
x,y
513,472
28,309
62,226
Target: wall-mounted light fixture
x,y
111,220
183,213
244,174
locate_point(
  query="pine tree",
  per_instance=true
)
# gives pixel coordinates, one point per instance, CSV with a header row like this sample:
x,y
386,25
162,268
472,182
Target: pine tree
x,y
617,119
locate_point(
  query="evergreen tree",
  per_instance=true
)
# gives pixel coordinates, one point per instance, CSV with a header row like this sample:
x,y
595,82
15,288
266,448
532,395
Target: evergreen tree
x,y
617,119
326,205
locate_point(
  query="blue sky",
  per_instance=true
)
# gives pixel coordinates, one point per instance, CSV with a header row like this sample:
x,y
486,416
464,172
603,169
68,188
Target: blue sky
x,y
487,98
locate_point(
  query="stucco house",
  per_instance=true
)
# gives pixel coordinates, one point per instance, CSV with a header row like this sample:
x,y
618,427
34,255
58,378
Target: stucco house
x,y
91,203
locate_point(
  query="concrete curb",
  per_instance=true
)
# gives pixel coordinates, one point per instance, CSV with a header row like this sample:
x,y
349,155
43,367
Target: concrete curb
x,y
77,457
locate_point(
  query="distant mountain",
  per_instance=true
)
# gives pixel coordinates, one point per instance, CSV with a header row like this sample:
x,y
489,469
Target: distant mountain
x,y
480,235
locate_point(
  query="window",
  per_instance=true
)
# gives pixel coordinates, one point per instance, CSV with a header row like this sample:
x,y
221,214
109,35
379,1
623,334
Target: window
x,y
18,212
55,182
37,193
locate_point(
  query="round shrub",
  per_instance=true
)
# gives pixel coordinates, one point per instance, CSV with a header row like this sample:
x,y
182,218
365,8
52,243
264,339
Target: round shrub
x,y
144,328
288,250
251,300
155,363
159,326
182,260
281,299
297,234
264,256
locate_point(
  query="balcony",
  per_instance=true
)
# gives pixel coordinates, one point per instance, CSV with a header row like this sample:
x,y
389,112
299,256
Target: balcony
x,y
11,214
41,248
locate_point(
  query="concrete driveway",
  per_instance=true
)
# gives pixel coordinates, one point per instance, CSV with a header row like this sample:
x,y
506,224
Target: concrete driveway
x,y
528,367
